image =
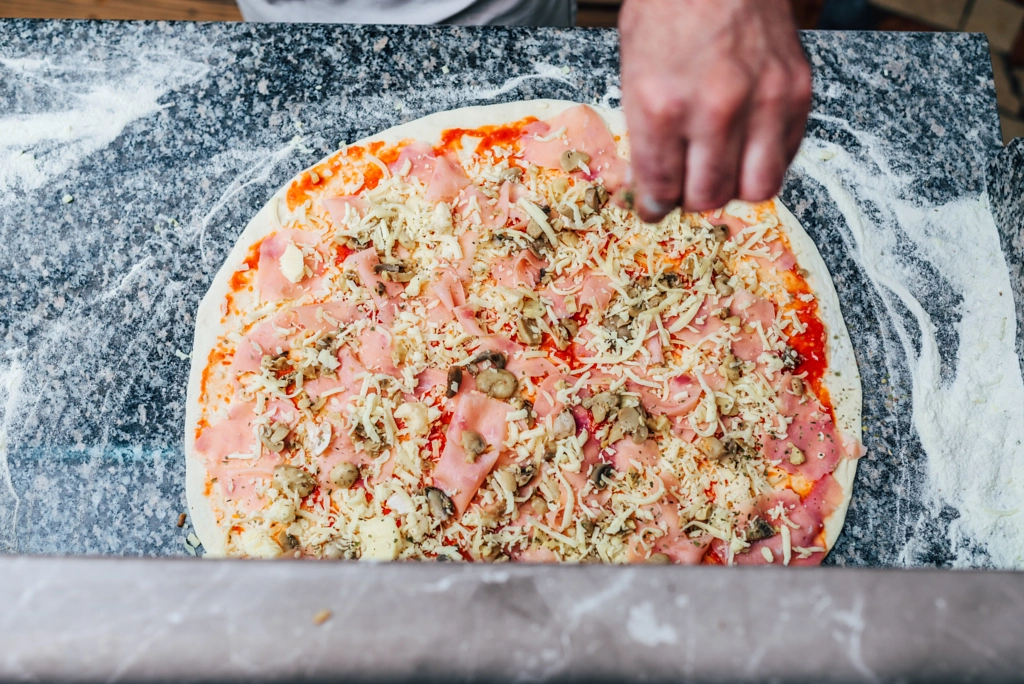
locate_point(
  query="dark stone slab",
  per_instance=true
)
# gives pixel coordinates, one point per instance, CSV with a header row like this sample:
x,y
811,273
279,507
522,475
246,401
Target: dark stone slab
x,y
178,134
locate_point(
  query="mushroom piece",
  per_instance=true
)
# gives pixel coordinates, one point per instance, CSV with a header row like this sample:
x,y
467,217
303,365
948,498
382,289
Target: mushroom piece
x,y
711,447
601,474
798,386
796,455
286,541
723,288
630,421
720,233
497,383
512,173
791,358
495,358
441,507
344,475
523,473
602,405
658,423
534,230
474,444
595,197
729,368
759,529
571,160
454,381
288,478
564,425
533,308
528,332
658,559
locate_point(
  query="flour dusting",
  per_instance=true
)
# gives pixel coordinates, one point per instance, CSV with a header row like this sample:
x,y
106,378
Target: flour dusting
x,y
87,117
970,421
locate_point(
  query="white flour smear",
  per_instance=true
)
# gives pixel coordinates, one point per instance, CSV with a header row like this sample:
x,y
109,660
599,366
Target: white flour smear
x,y
971,427
11,376
547,71
83,117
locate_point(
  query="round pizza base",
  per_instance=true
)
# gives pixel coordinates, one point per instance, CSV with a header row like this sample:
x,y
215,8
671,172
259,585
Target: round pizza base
x,y
842,379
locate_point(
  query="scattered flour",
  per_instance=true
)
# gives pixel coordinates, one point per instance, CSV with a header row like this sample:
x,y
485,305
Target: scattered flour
x,y
548,71
85,117
971,425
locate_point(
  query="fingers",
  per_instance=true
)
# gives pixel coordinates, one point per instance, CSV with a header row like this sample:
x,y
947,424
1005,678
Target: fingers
x,y
716,142
658,150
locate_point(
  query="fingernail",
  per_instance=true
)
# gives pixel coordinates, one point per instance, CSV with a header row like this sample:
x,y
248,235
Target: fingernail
x,y
655,207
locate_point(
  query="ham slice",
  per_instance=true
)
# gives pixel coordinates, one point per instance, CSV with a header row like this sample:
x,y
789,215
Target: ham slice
x,y
812,431
375,352
272,284
457,477
807,515
337,207
670,540
421,158
446,181
363,262
585,131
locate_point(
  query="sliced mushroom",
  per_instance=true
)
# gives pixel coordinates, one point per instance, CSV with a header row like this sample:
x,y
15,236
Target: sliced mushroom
x,y
523,473
441,507
658,559
288,478
631,421
796,455
539,505
601,474
528,332
720,233
512,173
454,381
533,308
798,386
595,197
602,405
474,445
344,475
571,160
495,358
733,321
723,288
759,529
497,383
729,368
286,541
564,425
711,447
791,358
534,230
658,423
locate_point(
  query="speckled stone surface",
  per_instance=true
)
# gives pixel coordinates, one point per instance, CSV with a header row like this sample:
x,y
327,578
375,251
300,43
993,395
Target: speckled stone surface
x,y
1006,193
144,149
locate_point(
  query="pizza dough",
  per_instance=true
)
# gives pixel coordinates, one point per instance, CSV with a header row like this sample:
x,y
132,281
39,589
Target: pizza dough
x,y
213,523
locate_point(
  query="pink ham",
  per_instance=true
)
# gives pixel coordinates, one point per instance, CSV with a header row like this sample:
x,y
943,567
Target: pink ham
x,y
703,324
375,352
653,345
597,292
671,541
446,181
812,431
467,241
752,309
747,346
337,207
263,339
808,519
428,380
231,436
683,384
363,262
344,378
421,158
492,215
272,284
626,451
585,132
458,478
449,291
467,319
781,258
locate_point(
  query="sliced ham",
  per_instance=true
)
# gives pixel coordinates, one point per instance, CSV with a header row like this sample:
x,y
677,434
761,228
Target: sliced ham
x,y
421,158
752,309
363,262
467,319
585,131
457,477
375,352
273,286
807,515
468,242
338,207
446,181
812,431
666,536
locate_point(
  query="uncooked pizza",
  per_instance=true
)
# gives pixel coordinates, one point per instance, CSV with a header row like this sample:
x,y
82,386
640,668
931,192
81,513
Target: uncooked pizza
x,y
455,341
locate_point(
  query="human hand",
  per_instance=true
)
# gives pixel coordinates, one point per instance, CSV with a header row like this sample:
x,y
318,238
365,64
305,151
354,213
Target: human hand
x,y
716,95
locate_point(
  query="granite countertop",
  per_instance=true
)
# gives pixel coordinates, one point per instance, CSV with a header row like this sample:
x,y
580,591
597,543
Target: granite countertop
x,y
133,154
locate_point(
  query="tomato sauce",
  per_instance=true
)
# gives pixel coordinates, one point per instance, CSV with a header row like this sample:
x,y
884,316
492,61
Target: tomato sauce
x,y
506,135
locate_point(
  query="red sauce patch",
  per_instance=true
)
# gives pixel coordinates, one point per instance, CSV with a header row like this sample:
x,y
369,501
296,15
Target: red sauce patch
x,y
506,135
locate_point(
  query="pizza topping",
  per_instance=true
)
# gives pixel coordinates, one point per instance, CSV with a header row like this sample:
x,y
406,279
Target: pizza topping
x,y
633,392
